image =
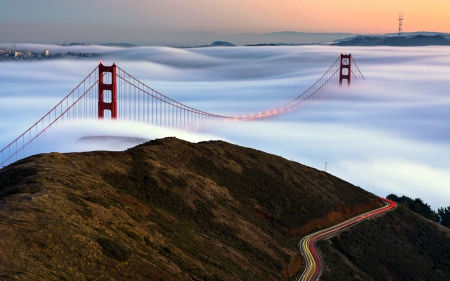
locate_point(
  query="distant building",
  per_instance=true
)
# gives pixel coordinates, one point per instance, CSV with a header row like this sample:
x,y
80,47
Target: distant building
x,y
16,54
47,52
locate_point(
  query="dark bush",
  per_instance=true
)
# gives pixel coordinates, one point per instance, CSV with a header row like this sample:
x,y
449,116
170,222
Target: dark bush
x,y
114,249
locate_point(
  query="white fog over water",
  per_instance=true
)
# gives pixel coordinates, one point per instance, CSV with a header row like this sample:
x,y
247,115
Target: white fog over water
x,y
389,133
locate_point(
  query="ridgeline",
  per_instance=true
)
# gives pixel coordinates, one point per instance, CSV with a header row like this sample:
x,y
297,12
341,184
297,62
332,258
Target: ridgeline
x,y
399,41
173,210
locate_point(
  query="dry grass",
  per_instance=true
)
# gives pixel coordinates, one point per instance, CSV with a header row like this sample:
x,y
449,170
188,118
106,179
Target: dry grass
x,y
165,210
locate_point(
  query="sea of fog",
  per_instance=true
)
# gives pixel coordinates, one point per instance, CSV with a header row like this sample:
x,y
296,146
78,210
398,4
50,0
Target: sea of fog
x,y
389,133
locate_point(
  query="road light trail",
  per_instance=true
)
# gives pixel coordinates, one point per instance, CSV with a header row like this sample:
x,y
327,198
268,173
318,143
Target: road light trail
x,y
314,262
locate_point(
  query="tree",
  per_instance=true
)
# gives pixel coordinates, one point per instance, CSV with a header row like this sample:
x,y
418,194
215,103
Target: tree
x,y
423,209
418,206
444,216
392,197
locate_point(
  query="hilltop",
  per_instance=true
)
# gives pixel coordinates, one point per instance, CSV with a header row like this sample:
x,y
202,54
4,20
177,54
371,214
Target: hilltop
x,y
400,41
174,210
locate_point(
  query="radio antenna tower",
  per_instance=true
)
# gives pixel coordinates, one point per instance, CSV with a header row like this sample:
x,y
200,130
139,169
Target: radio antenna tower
x,y
400,19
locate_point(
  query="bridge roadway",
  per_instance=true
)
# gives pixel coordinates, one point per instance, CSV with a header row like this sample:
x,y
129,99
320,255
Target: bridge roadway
x,y
314,262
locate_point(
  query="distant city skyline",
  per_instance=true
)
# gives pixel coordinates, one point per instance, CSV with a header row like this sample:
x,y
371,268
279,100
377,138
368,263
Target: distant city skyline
x,y
155,22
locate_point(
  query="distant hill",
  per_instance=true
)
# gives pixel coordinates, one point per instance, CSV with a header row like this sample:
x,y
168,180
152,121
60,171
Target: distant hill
x,y
222,43
173,210
122,45
418,40
213,44
286,38
193,39
411,34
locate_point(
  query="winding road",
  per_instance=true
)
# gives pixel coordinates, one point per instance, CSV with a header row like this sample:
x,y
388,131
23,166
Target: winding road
x,y
314,262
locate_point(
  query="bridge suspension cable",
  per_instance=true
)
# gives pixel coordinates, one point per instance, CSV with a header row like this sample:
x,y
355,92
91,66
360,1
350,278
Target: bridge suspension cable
x,y
111,92
68,108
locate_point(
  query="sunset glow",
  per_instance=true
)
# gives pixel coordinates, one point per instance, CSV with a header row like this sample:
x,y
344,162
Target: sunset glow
x,y
45,20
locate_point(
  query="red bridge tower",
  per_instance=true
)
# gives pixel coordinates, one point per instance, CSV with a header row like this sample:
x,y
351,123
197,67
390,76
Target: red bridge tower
x,y
345,69
102,86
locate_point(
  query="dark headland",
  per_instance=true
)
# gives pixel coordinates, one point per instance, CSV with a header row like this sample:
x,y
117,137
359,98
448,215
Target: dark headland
x,y
400,41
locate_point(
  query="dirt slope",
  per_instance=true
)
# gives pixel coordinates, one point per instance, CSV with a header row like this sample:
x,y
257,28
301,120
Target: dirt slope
x,y
165,210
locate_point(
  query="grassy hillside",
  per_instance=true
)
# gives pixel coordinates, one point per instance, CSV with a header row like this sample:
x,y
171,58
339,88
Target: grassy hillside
x,y
401,245
165,210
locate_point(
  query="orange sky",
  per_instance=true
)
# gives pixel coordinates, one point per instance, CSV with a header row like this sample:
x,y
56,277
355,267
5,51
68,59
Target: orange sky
x,y
232,16
356,16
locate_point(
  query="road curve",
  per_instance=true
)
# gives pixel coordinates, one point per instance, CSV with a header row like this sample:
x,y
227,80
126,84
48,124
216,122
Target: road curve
x,y
314,262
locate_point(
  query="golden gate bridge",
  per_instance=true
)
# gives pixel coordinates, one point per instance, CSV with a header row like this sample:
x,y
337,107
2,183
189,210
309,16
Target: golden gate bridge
x,y
109,92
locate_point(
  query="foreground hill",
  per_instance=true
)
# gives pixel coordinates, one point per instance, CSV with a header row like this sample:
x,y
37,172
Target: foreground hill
x,y
173,210
401,245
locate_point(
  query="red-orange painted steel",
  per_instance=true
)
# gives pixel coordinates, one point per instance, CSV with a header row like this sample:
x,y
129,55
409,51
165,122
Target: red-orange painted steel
x,y
102,86
346,66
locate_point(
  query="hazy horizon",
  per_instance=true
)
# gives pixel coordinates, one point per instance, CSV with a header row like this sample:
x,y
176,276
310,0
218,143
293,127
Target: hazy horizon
x,y
178,22
198,39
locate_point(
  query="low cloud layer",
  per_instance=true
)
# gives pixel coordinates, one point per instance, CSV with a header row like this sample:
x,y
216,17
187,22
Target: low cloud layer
x,y
388,133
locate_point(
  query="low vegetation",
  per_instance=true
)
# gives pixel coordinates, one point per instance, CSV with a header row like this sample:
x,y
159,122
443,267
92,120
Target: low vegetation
x,y
173,210
398,246
442,215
